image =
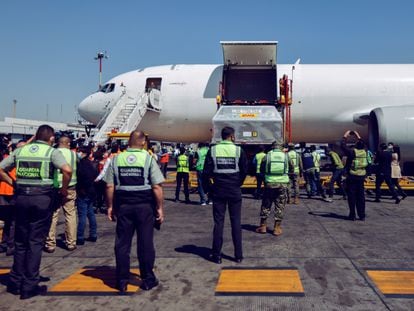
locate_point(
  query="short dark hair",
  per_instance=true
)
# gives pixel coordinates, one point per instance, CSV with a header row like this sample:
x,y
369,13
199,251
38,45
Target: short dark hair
x,y
226,132
44,132
360,144
136,137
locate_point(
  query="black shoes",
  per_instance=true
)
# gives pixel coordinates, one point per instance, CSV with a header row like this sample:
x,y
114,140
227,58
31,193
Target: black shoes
x,y
48,250
38,290
13,290
123,289
80,242
92,239
148,285
352,217
377,200
216,259
397,200
239,260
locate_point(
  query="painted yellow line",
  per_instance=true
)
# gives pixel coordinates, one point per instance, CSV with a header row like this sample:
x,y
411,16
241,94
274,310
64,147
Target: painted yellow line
x,y
393,282
259,281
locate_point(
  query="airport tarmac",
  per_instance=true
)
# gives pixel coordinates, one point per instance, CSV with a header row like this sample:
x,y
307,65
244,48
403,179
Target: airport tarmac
x,y
321,262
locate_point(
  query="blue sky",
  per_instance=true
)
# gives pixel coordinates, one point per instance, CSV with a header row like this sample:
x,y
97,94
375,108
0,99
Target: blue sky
x,y
47,47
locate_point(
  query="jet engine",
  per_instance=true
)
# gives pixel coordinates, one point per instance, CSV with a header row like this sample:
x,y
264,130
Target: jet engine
x,y
394,124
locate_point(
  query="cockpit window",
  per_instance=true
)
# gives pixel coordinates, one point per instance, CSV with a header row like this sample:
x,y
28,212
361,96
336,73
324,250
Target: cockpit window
x,y
107,88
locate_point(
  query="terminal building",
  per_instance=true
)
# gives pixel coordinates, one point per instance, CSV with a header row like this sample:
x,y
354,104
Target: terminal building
x,y
23,128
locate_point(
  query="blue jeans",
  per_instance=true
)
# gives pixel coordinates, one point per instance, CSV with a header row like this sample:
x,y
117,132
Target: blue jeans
x,y
85,209
200,188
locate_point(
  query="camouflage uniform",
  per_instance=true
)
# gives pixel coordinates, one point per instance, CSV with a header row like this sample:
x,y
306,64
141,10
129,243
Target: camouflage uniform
x,y
275,194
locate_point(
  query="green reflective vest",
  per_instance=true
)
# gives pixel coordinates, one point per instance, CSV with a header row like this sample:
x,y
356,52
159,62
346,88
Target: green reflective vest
x,y
276,167
70,157
359,163
294,158
183,166
131,169
201,153
259,157
317,160
225,157
34,165
336,160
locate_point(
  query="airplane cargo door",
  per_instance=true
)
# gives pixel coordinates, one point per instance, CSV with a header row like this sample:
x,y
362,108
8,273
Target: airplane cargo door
x,y
249,73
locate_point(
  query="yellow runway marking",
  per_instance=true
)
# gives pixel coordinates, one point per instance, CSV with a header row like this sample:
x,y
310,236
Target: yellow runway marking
x,y
393,282
259,282
94,280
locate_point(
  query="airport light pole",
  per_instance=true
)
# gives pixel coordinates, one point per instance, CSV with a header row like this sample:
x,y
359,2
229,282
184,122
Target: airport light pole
x,y
14,107
100,56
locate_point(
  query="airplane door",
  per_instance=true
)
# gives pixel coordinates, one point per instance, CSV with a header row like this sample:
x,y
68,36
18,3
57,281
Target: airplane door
x,y
153,89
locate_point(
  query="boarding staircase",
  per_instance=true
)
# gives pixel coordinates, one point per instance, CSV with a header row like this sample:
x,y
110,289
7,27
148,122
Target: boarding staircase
x,y
126,114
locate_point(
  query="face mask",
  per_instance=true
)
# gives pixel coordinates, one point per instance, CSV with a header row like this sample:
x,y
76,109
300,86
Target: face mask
x,y
79,155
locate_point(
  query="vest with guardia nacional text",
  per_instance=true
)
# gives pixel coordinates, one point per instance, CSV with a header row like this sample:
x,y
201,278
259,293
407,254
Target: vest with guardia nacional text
x,y
225,157
70,157
276,167
183,165
34,165
131,169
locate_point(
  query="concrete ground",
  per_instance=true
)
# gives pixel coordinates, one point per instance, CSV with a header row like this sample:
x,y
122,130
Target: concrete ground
x,y
330,253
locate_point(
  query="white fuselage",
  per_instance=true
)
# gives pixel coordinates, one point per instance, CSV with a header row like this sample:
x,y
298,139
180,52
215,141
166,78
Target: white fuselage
x,y
327,99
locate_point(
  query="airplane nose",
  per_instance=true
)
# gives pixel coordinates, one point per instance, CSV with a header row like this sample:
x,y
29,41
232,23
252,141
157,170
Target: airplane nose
x,y
85,109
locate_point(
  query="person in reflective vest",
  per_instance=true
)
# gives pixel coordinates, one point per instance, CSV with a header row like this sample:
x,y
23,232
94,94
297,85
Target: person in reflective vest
x,y
199,159
183,170
355,167
312,179
135,200
226,165
337,173
67,204
259,176
275,167
317,161
294,174
35,164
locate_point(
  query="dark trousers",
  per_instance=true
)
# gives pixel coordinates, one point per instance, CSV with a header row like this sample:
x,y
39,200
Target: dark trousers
x,y
131,218
100,187
33,217
356,196
259,182
219,212
379,179
399,190
7,213
182,177
336,178
164,168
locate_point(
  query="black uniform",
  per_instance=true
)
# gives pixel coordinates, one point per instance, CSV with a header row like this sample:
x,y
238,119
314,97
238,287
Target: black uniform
x,y
134,210
225,192
34,207
354,186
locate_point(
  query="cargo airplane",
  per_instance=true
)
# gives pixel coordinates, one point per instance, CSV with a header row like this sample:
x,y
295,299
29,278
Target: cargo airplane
x,y
375,100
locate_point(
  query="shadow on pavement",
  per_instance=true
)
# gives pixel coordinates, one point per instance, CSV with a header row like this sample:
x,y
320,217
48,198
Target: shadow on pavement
x,y
328,215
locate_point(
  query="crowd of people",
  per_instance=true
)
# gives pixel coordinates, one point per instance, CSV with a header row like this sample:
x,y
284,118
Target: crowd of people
x,y
38,180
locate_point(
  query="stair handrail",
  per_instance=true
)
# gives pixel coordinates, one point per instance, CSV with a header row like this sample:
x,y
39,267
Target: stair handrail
x,y
136,116
109,117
